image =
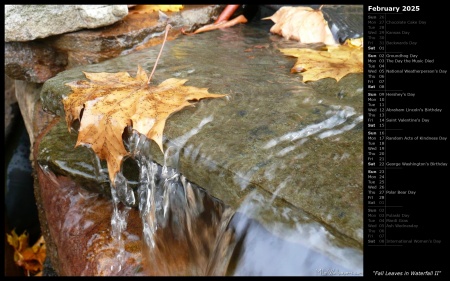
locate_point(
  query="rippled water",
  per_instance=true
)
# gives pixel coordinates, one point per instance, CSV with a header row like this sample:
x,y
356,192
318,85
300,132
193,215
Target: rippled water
x,y
286,156
188,232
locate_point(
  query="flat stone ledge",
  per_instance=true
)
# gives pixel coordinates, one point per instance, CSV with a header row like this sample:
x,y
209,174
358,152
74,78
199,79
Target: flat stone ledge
x,y
29,22
40,59
244,144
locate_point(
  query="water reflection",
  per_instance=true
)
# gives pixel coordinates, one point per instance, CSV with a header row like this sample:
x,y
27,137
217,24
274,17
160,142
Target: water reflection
x,y
338,116
288,156
188,232
302,249
257,252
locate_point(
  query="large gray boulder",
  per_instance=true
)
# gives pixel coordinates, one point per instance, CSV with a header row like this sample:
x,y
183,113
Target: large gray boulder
x,y
29,22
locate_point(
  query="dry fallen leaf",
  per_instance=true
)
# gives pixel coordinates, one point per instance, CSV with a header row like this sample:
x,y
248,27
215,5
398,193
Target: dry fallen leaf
x,y
31,259
354,42
303,24
335,62
141,9
112,101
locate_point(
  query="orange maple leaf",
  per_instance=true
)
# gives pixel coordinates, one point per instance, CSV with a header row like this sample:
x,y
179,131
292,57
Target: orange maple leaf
x,y
112,101
31,259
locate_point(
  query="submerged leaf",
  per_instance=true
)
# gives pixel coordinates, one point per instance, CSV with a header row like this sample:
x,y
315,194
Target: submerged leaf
x,y
335,62
112,101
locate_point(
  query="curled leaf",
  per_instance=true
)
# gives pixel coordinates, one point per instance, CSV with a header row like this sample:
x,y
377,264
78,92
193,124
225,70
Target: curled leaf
x,y
303,24
31,259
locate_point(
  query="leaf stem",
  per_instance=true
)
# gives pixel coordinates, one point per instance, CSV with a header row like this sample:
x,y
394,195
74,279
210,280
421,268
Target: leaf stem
x,y
168,26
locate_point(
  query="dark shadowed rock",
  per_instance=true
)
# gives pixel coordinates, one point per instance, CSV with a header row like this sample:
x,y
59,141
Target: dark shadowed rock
x,y
33,61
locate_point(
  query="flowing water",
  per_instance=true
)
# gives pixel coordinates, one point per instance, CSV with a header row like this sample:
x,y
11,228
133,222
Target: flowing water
x,y
188,232
283,157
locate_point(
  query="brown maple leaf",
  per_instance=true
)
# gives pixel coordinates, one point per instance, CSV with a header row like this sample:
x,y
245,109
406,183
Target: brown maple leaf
x,y
303,24
112,101
335,62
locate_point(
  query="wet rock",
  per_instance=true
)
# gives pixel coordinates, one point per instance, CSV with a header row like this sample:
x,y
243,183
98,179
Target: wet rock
x,y
48,57
29,22
48,269
33,61
59,141
134,32
38,60
76,225
301,144
11,109
27,94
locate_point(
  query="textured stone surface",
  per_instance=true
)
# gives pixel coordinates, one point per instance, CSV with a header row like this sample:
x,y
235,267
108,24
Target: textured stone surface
x,y
40,59
300,143
136,31
274,135
27,94
29,22
11,109
33,61
76,225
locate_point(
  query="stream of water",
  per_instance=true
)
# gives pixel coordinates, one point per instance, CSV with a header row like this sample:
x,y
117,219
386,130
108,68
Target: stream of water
x,y
285,155
188,232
